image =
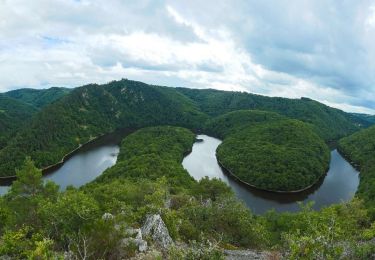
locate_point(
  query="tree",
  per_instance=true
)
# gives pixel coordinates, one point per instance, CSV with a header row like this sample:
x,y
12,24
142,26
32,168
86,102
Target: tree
x,y
27,192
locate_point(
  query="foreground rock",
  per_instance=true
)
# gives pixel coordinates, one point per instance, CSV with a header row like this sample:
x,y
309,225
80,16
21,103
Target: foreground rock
x,y
155,228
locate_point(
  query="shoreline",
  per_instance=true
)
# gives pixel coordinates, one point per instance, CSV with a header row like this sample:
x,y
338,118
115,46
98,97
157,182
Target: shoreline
x,y
232,175
48,169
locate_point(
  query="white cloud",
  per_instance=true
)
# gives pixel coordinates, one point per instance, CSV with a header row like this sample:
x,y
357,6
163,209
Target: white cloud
x,y
216,44
370,21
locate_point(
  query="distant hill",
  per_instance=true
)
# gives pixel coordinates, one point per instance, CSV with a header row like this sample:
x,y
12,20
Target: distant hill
x,y
329,123
366,117
38,97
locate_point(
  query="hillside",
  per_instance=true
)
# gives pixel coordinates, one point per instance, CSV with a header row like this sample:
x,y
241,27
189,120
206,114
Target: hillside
x,y
92,110
13,115
366,117
38,98
329,123
360,149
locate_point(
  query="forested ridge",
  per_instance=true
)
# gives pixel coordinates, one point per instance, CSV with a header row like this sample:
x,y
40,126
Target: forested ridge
x,y
38,98
359,148
93,110
89,111
329,123
13,116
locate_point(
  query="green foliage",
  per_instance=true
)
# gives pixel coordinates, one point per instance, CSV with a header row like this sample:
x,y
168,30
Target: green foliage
x,y
269,151
204,216
26,193
38,222
13,116
229,123
370,119
24,244
152,153
360,149
328,122
321,235
38,98
71,212
93,110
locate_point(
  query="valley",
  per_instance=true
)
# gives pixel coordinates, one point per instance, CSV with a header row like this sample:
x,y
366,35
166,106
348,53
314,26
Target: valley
x,y
277,146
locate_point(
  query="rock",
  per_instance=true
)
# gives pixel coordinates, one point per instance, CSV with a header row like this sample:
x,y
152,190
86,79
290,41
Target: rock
x,y
139,243
142,245
155,228
107,216
137,232
249,255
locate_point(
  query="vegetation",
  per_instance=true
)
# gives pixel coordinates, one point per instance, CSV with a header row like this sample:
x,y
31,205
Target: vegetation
x,y
360,149
269,151
38,98
232,122
329,123
369,118
13,115
89,111
93,110
38,222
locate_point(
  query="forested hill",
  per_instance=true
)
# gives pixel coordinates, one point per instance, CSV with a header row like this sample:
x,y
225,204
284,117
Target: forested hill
x,y
329,123
366,117
38,97
13,114
92,110
360,149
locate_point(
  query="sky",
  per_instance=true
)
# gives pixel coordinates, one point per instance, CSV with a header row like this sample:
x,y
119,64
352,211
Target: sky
x,y
321,49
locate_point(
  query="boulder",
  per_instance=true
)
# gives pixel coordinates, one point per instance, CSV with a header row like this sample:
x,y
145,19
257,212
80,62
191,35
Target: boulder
x,y
155,228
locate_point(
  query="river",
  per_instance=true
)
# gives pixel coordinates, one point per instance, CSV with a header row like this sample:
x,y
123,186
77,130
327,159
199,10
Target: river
x,y
85,165
340,183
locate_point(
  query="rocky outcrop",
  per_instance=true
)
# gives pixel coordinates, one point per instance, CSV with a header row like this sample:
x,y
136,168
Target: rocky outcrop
x,y
155,228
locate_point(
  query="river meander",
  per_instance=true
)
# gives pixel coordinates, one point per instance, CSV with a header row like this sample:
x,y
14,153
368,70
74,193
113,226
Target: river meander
x,y
340,183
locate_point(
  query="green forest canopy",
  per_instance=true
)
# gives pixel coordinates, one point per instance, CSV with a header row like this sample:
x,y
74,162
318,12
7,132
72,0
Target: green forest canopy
x,y
269,151
360,149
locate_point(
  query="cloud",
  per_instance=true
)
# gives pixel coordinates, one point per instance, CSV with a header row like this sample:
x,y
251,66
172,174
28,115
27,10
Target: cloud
x,y
320,49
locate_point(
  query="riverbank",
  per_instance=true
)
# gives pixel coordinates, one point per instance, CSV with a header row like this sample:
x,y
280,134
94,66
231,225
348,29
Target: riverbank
x,y
114,137
232,175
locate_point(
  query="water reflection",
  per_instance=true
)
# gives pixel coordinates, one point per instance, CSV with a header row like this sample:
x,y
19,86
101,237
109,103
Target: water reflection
x,y
340,183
